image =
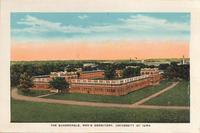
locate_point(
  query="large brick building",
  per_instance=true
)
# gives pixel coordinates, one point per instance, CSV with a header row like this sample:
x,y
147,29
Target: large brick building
x,y
65,74
42,82
92,74
87,84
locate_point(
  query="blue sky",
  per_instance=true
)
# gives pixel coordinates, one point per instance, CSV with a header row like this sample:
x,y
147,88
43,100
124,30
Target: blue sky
x,y
99,26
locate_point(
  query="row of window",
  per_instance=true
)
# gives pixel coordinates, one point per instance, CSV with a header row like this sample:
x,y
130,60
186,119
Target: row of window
x,y
96,89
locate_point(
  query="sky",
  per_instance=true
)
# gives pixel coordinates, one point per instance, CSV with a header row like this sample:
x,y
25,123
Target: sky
x,y
79,36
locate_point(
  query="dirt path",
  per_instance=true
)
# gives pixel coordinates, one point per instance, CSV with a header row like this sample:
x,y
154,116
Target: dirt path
x,y
163,107
45,95
156,94
16,96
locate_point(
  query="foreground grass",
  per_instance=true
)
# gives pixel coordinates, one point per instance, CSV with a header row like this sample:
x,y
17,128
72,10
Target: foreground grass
x,y
22,111
179,95
34,93
129,98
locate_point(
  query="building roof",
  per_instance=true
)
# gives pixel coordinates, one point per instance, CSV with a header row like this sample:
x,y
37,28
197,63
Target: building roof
x,y
41,76
109,82
92,71
149,69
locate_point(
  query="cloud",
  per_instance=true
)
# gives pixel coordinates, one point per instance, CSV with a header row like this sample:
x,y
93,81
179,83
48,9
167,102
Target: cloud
x,y
83,17
134,25
146,23
36,25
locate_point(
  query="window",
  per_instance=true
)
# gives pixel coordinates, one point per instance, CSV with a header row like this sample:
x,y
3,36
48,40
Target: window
x,y
112,90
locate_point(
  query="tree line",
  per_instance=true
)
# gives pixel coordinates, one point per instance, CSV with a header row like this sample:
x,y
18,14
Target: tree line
x,y
46,67
172,70
37,68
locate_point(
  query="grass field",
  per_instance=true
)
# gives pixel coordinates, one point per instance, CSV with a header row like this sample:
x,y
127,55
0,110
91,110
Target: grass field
x,y
179,95
34,93
22,111
129,98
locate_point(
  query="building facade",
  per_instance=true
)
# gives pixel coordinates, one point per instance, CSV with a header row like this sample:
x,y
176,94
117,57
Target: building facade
x,y
92,74
41,82
111,87
65,74
88,85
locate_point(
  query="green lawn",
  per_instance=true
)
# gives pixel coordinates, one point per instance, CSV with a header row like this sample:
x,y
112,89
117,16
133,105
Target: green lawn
x,y
179,95
22,111
129,98
34,93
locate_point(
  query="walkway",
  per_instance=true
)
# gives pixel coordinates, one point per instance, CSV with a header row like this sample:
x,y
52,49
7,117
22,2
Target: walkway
x,y
45,95
156,94
16,96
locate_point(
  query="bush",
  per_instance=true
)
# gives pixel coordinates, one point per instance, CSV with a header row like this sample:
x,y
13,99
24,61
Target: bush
x,y
25,83
59,83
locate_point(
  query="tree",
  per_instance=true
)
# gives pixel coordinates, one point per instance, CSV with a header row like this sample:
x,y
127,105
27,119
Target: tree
x,y
174,71
131,72
184,71
163,66
15,71
59,83
25,82
110,72
171,72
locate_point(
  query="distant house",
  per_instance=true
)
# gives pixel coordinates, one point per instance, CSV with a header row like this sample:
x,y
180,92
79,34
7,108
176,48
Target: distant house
x,y
119,73
132,66
89,65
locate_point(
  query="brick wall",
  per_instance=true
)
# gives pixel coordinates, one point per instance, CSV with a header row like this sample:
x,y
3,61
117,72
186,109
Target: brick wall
x,y
92,74
104,87
41,86
110,89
